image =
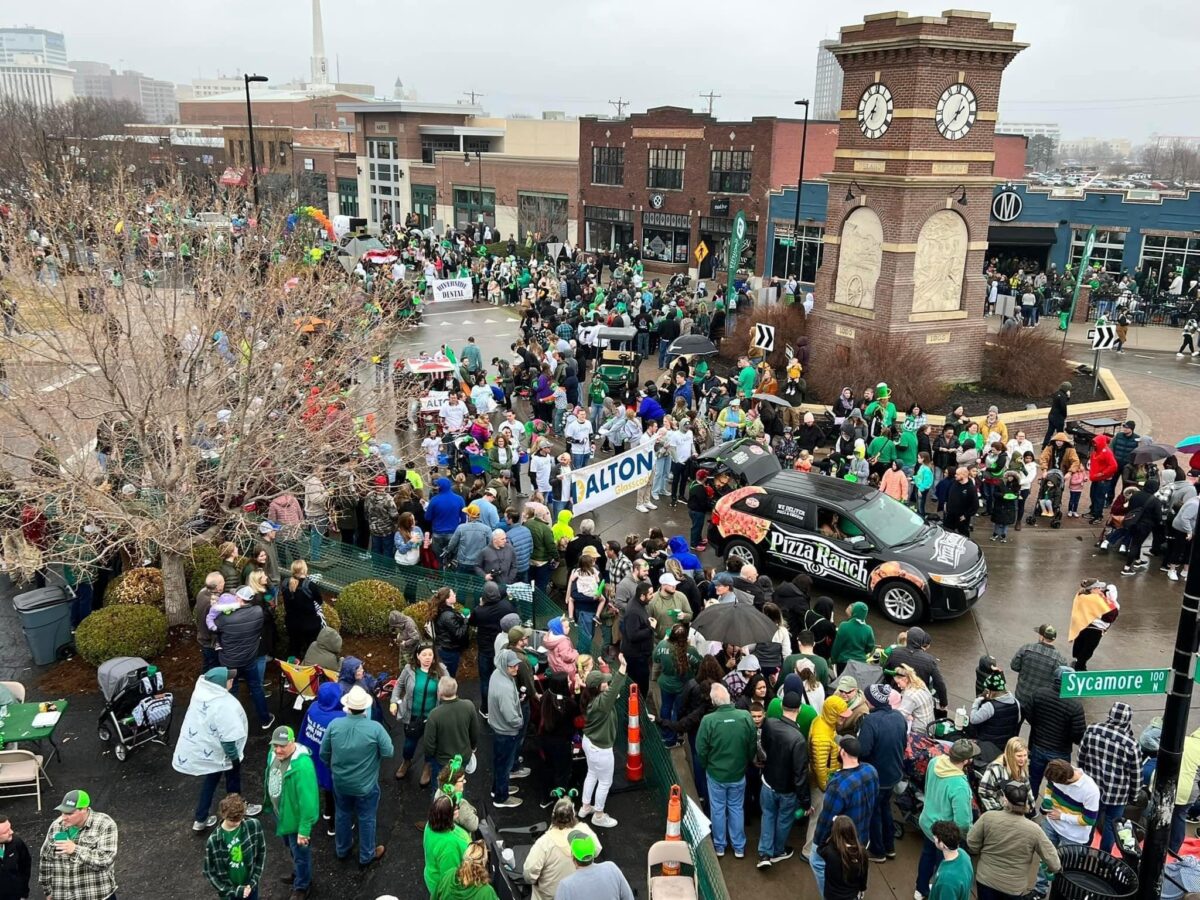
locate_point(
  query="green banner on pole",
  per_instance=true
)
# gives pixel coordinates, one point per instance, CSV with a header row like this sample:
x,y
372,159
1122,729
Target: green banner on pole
x,y
1114,683
737,242
1088,244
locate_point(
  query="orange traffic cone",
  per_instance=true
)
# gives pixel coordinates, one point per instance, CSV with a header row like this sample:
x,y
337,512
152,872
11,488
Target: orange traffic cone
x,y
633,757
674,825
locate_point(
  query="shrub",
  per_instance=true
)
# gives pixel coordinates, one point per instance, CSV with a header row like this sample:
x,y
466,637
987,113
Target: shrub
x,y
142,586
364,607
874,358
203,559
500,248
283,648
1025,362
122,630
789,323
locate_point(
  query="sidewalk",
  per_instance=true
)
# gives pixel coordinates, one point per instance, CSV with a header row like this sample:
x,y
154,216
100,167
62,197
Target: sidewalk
x,y
1161,338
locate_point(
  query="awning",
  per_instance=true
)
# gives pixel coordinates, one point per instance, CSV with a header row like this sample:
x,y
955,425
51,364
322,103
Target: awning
x,y
1022,235
234,177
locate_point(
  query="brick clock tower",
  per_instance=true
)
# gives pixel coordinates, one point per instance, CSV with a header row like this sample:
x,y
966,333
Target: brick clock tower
x,y
909,197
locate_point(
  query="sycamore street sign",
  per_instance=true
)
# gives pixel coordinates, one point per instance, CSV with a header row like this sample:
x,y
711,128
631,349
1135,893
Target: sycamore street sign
x,y
1115,682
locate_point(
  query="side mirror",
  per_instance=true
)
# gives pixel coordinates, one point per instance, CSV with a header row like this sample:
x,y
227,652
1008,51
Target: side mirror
x,y
860,543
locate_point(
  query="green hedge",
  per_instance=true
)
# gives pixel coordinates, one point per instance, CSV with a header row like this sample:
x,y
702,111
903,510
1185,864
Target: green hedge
x,y
142,586
363,607
203,559
122,630
500,248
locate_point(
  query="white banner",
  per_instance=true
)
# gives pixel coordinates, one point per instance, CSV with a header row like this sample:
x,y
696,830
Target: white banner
x,y
600,483
434,400
452,289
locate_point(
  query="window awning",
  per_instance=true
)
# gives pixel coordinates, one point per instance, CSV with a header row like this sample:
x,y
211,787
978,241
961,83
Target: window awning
x,y
1024,235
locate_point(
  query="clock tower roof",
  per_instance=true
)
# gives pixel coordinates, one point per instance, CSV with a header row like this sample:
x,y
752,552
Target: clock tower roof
x,y
953,29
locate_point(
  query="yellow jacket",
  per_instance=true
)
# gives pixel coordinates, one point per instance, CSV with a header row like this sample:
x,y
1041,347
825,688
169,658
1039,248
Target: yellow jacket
x,y
1188,768
822,742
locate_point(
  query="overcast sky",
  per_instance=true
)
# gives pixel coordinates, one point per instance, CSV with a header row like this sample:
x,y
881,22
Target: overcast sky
x,y
1100,68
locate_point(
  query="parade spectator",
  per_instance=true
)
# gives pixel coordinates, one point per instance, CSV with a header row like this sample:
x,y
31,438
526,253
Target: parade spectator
x,y
598,702
1070,805
235,852
549,861
883,738
947,799
1011,766
1109,755
851,792
317,718
785,790
414,698
1005,842
591,880
16,864
1035,665
505,718
1055,725
955,875
452,729
290,784
444,842
727,741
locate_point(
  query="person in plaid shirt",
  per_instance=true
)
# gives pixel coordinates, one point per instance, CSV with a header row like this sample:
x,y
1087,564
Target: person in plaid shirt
x,y
1109,754
1035,665
850,791
79,853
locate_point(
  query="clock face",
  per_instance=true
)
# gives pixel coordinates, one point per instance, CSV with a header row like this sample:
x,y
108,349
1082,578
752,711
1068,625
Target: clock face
x,y
956,111
875,111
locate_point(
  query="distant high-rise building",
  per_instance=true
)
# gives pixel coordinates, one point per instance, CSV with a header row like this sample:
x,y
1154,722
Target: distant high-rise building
x,y
33,66
156,98
827,92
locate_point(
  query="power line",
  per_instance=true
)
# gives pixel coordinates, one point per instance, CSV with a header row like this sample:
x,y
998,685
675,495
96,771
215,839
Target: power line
x,y
620,103
473,95
710,96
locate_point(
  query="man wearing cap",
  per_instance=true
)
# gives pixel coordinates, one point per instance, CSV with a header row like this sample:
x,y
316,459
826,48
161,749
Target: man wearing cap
x,y
466,545
591,880
947,798
505,717
354,747
486,505
80,852
492,608
238,635
883,738
380,510
726,592
850,791
1055,725
785,788
1004,843
726,743
1035,665
924,663
667,606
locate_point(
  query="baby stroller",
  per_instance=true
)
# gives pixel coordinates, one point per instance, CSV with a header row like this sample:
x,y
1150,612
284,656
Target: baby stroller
x,y
137,709
1050,493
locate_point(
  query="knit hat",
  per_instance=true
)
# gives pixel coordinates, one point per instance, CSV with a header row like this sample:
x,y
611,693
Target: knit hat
x,y
217,675
509,621
995,682
879,696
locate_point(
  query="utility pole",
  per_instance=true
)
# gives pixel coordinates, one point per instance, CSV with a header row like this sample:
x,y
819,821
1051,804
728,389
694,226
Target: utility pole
x,y
473,95
620,103
710,96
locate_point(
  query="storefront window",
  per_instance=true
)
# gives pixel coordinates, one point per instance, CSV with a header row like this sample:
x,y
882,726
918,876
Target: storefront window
x,y
1108,251
542,214
666,237
467,208
607,228
424,201
1166,254
431,146
784,261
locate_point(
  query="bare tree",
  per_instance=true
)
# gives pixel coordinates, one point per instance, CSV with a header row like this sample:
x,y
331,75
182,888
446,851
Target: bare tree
x,y
143,419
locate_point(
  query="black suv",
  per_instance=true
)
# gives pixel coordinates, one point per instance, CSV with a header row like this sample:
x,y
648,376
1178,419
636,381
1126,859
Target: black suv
x,y
849,534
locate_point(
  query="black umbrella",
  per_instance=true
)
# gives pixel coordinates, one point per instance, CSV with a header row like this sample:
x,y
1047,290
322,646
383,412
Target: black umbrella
x,y
692,345
1148,453
771,398
735,623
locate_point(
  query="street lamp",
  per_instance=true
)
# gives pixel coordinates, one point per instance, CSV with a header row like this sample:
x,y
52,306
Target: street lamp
x,y
799,196
479,166
250,125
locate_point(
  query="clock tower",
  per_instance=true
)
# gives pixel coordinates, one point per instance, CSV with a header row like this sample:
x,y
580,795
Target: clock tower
x,y
907,220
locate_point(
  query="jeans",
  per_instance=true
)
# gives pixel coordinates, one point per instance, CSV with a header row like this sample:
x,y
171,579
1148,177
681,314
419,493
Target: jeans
x,y
318,528
818,867
504,754
597,416
81,603
580,460
412,740
990,893
587,630
1038,760
931,856
698,776
437,543
1099,496
487,665
542,575
301,862
450,659
349,810
643,344
383,544
209,659
1043,875
727,811
1109,813
208,789
253,678
883,825
662,472
778,813
1073,502
697,526
666,710
663,356
1178,827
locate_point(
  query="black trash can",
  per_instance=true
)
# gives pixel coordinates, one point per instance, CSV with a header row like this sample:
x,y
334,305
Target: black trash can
x,y
1088,874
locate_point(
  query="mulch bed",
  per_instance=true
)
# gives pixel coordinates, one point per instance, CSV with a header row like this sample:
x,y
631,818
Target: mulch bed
x,y
976,398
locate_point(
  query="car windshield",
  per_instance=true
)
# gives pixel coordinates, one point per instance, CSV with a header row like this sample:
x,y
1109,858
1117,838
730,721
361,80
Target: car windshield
x,y
891,522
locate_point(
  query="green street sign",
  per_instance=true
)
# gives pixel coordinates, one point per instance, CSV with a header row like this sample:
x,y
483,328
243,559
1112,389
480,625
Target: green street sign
x,y
737,240
1115,683
786,242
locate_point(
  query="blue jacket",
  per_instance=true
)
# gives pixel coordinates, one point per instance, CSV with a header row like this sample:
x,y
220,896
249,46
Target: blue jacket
x,y
445,510
467,544
488,513
522,544
327,707
688,560
883,735
650,408
685,391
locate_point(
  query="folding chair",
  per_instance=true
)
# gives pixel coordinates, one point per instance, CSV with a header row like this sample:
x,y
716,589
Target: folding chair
x,y
300,682
671,887
21,769
17,689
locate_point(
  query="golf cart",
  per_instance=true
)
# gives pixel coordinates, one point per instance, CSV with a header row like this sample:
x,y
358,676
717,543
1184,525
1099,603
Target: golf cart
x,y
618,362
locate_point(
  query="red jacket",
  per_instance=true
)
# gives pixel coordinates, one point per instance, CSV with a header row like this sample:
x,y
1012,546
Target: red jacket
x,y
1103,465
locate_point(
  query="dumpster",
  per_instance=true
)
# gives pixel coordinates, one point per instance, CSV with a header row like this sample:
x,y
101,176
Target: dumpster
x,y
45,615
1088,874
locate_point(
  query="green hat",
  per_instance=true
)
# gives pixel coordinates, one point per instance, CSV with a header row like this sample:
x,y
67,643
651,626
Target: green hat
x,y
283,736
595,678
882,390
74,800
583,847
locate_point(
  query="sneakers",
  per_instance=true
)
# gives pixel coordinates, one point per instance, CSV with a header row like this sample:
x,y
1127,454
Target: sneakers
x,y
522,772
510,803
208,823
253,809
270,723
787,854
877,858
891,854
602,819
1104,545
642,508
737,854
1142,563
764,861
1179,356
586,810
702,546
1174,576
1129,570
721,854
652,505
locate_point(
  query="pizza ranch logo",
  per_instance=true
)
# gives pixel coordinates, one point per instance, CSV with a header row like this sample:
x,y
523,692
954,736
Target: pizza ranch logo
x,y
819,557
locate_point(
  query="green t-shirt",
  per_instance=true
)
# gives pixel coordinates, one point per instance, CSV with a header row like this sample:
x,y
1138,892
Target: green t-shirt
x,y
670,679
746,382
953,879
235,842
976,440
906,448
882,447
819,665
275,775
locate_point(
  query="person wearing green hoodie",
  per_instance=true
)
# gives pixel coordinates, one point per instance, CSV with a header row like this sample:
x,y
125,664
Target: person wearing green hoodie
x,y
726,743
947,799
855,639
291,788
445,842
471,880
599,701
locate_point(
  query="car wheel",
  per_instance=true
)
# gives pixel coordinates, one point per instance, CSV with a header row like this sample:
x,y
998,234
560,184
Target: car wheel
x,y
900,603
740,552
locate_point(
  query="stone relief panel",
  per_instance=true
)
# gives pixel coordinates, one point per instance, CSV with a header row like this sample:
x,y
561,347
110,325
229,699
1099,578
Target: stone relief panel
x,y
859,259
940,263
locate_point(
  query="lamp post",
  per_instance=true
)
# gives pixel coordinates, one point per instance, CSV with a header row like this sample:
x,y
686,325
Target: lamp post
x,y
799,197
250,126
479,166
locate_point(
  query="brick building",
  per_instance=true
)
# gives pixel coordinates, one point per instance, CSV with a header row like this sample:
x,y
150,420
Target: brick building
x,y
290,108
669,180
299,161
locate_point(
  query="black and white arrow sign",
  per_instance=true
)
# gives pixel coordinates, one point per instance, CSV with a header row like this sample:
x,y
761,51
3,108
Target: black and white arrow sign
x,y
1104,337
764,337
